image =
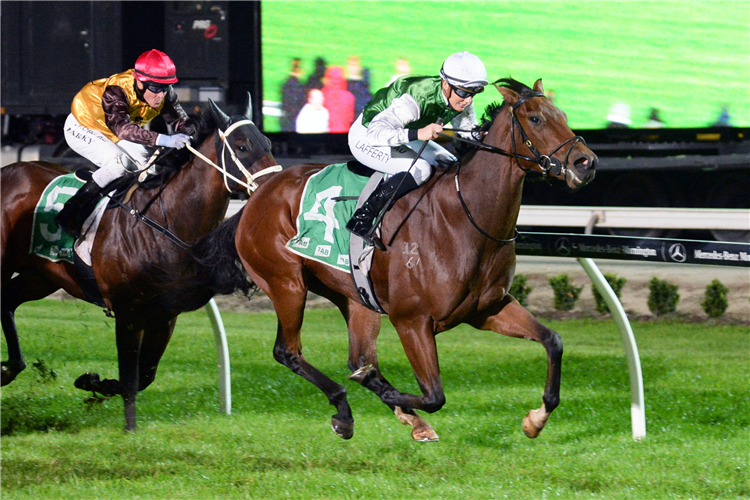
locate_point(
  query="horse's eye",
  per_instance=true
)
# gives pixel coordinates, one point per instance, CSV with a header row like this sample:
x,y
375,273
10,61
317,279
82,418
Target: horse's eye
x,y
535,120
242,149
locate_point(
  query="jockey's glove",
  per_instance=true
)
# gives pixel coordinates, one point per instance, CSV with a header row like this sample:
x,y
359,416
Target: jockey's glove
x,y
176,141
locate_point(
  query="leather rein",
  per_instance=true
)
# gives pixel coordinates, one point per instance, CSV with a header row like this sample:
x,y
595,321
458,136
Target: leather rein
x,y
250,185
547,163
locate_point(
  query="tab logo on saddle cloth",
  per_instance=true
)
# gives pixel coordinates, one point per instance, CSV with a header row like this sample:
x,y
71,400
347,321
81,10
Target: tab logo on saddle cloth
x,y
48,240
321,224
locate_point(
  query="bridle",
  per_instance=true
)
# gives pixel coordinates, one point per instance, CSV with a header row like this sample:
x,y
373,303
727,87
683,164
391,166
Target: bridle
x,y
250,185
547,163
222,143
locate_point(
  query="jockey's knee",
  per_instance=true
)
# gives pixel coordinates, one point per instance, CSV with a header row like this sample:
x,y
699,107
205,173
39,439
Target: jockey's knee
x,y
113,169
421,171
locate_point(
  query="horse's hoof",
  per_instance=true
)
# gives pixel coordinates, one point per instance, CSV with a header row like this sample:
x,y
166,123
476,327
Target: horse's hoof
x,y
362,374
425,434
342,429
8,374
87,382
421,430
92,382
534,422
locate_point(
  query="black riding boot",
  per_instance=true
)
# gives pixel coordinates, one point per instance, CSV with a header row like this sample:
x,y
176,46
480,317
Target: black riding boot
x,y
78,208
361,222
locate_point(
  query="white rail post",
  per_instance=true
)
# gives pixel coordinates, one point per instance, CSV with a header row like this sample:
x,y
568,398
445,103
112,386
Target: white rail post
x,y
637,400
222,351
637,404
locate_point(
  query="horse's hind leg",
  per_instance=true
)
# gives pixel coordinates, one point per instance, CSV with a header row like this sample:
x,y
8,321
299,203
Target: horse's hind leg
x,y
290,304
25,287
515,321
364,327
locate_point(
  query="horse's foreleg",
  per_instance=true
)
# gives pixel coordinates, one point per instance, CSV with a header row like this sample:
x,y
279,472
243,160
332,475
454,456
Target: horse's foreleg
x,y
23,288
364,327
129,338
514,320
15,363
156,336
290,305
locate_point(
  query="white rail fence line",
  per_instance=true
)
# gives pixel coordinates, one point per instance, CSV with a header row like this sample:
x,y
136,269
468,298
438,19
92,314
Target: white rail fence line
x,y
640,218
561,216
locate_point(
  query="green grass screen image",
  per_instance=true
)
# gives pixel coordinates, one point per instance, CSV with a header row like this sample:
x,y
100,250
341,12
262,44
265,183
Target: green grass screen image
x,y
688,59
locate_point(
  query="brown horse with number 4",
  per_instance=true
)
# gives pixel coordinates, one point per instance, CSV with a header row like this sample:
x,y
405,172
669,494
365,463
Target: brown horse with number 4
x,y
450,260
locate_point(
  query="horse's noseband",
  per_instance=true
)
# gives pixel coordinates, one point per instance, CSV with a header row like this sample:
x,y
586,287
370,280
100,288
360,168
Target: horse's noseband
x,y
222,145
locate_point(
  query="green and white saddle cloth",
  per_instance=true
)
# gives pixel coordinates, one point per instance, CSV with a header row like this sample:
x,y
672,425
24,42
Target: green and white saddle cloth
x,y
321,224
48,240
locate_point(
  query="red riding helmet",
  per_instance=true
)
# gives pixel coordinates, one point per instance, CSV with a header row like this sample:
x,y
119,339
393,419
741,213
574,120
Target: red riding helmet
x,y
155,66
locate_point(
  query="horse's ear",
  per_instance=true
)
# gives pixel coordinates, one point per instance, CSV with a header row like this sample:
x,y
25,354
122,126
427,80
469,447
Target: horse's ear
x,y
538,86
509,96
249,107
220,117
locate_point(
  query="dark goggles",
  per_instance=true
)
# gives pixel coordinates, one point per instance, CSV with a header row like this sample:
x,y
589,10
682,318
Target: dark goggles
x,y
157,88
464,93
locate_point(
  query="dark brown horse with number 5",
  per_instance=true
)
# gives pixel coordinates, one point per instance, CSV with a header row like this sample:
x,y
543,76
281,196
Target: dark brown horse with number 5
x,y
146,278
450,259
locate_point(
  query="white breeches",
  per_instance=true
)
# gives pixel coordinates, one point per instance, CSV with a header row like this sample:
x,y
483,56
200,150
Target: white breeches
x,y
113,160
392,160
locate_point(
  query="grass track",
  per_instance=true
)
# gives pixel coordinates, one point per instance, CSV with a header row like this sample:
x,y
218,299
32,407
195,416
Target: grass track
x,y
278,443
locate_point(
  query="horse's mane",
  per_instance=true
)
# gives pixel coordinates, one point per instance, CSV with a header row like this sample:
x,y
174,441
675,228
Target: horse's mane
x,y
492,111
171,163
177,158
494,108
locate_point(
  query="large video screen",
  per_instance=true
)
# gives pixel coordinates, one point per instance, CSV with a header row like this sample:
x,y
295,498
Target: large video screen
x,y
603,62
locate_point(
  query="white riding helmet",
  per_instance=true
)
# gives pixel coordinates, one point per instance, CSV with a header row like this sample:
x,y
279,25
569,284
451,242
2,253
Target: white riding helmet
x,y
464,69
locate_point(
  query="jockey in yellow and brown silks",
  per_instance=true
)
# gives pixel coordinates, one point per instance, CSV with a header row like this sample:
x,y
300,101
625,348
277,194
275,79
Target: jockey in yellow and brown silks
x,y
106,123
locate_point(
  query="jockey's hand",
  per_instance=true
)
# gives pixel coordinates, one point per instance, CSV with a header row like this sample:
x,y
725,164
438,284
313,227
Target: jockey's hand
x,y
176,141
186,127
430,131
478,135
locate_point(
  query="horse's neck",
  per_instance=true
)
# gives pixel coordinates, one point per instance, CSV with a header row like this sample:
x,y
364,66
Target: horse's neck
x,y
491,185
196,197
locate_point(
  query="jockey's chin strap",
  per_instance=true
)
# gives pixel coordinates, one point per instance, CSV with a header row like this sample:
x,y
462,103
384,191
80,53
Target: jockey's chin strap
x,y
250,185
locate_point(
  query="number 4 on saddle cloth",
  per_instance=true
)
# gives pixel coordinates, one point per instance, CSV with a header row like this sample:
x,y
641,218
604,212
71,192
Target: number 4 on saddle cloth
x,y
328,202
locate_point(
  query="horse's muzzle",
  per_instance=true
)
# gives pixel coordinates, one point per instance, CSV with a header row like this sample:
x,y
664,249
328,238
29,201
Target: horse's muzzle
x,y
581,170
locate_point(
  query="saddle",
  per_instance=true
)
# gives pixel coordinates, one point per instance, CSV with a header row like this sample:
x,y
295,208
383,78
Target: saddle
x,y
328,201
360,254
121,189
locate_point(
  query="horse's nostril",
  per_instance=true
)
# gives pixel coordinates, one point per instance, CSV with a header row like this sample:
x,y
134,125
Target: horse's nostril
x,y
584,162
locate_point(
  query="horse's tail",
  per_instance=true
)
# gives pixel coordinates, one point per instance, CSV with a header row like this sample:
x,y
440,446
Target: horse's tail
x,y
219,263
